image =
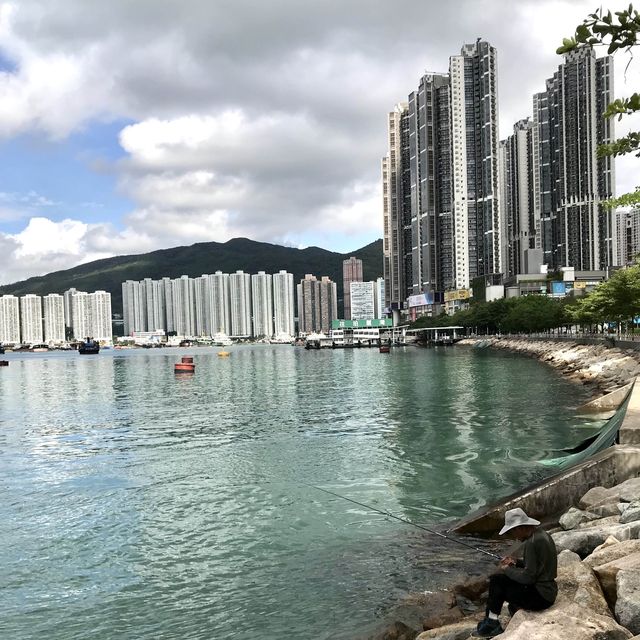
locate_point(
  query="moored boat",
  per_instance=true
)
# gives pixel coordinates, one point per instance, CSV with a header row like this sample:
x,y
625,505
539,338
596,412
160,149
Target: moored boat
x,y
89,347
281,338
221,340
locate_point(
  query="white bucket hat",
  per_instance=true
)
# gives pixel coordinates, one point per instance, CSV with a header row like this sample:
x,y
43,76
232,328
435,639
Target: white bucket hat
x,y
516,518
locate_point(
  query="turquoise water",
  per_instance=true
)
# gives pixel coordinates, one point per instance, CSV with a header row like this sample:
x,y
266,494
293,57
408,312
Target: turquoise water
x,y
140,504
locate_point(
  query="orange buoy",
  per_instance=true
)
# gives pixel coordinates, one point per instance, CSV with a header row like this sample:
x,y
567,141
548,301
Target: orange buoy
x,y
184,367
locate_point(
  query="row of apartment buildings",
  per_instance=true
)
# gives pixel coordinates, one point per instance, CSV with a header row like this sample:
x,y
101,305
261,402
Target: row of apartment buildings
x,y
33,319
238,305
459,204
242,305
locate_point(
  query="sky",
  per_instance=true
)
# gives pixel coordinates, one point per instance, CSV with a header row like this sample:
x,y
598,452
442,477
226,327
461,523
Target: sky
x,y
133,125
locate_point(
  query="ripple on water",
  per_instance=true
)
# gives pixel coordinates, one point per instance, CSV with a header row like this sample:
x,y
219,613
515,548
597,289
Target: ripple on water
x,y
142,505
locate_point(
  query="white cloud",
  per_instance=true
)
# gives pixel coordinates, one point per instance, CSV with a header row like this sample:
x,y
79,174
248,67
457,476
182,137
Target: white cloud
x,y
42,236
44,246
264,120
213,177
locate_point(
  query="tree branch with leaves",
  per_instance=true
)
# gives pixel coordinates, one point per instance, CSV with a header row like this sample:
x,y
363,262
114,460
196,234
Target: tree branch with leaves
x,y
617,31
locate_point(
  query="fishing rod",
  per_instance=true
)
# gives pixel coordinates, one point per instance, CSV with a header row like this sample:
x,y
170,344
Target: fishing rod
x,y
413,524
360,504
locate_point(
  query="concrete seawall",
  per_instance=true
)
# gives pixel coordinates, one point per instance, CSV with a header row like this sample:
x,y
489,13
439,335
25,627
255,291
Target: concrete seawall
x,y
595,364
548,499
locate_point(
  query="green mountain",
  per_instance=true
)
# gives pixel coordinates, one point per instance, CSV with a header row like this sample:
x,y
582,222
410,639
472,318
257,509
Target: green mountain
x,y
193,261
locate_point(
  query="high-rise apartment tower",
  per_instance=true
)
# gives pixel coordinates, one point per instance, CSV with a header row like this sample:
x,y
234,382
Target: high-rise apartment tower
x,y
351,272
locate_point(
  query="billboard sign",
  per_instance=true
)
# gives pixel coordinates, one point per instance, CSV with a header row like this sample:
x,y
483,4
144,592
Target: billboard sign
x,y
420,300
459,294
362,324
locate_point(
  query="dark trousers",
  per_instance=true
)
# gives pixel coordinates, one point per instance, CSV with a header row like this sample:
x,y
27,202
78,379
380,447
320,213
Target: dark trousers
x,y
519,596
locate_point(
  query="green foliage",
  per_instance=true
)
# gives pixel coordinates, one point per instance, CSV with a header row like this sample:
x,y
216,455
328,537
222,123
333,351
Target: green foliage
x,y
625,200
622,146
620,30
616,300
533,314
511,315
623,107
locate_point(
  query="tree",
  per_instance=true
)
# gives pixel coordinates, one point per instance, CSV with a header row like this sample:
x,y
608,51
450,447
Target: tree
x,y
528,313
616,300
619,32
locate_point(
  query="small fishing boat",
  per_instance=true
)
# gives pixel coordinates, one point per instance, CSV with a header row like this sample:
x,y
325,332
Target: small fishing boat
x,y
4,363
385,347
89,347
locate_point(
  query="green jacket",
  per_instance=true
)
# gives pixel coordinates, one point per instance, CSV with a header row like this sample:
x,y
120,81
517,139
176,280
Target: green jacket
x,y
539,565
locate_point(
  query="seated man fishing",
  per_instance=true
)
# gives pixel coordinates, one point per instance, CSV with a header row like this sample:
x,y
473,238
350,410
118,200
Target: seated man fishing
x,y
526,583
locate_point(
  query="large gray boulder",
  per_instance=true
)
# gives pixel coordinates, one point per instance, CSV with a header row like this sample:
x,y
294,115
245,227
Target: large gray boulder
x,y
577,584
584,541
629,490
573,517
458,631
626,491
418,611
599,522
597,496
610,552
631,512
606,509
628,602
607,574
571,622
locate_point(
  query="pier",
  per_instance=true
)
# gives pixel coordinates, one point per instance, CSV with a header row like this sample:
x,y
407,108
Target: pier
x,y
437,336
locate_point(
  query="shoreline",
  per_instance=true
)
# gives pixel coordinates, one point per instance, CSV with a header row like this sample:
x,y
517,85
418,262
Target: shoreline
x,y
597,540
599,367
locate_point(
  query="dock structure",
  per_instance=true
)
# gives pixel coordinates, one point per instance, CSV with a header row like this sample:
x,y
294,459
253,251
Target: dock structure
x,y
438,336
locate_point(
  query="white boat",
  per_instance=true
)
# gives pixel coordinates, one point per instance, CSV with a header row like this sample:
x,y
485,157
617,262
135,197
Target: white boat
x,y
222,340
281,338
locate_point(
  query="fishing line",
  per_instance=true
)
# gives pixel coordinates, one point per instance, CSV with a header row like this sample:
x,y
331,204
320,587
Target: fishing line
x,y
337,495
413,524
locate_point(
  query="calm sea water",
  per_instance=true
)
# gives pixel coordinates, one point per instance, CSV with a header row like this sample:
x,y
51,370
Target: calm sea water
x,y
140,504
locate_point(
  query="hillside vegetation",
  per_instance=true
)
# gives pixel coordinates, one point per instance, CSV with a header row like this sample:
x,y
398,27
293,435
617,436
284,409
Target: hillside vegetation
x,y
193,261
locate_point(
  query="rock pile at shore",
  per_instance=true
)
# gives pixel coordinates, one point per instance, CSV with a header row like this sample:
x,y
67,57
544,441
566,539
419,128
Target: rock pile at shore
x,y
601,366
598,581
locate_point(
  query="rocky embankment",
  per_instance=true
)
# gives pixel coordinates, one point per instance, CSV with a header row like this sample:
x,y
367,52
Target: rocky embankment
x,y
600,366
598,582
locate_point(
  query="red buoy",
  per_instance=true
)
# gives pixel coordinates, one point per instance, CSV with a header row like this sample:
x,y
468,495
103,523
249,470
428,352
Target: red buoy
x,y
184,367
187,359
